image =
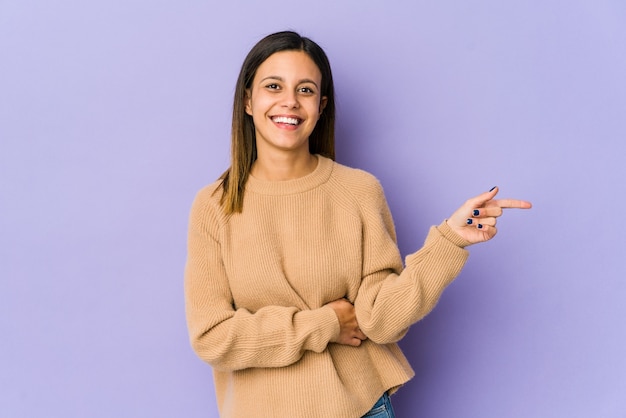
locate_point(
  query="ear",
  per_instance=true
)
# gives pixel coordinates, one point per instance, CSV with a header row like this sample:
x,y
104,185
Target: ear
x,y
246,100
323,103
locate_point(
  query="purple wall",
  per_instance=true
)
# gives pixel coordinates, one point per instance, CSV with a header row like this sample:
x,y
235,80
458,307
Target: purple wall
x,y
114,113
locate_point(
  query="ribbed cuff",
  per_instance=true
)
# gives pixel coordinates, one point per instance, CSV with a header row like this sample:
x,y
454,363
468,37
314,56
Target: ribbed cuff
x,y
447,232
326,327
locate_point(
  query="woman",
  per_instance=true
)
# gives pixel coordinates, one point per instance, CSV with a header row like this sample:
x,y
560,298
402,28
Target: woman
x,y
295,290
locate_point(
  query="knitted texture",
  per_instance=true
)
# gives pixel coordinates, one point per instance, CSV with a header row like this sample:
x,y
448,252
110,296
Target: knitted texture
x,y
256,284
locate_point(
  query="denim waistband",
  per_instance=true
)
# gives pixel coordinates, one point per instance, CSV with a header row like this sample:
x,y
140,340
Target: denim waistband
x,y
381,401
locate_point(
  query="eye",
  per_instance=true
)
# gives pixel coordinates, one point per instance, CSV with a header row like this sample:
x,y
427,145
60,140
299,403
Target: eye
x,y
272,86
306,90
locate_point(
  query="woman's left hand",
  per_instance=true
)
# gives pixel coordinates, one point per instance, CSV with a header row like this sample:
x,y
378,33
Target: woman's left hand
x,y
475,221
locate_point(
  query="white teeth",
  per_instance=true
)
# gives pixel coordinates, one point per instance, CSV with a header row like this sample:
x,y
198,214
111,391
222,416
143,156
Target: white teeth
x,y
284,119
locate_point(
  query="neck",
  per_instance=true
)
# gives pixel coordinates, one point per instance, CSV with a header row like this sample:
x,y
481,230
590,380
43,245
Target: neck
x,y
283,167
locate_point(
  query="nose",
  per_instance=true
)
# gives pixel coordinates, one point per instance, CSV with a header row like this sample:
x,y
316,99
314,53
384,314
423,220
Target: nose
x,y
291,100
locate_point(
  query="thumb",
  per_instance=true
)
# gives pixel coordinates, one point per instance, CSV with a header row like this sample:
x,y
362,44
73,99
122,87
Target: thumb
x,y
483,198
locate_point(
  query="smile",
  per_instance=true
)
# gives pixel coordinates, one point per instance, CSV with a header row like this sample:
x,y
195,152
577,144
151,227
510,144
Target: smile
x,y
287,120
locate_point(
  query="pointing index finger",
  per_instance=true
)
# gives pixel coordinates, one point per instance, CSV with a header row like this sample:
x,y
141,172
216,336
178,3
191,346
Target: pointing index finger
x,y
511,203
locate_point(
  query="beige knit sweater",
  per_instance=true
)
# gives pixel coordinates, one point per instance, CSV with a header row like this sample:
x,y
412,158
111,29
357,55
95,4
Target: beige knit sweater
x,y
256,284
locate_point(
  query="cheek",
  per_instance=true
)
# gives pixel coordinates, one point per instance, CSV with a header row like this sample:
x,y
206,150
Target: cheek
x,y
259,104
313,108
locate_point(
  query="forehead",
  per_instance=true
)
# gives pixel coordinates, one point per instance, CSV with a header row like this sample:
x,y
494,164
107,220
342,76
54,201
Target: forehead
x,y
289,65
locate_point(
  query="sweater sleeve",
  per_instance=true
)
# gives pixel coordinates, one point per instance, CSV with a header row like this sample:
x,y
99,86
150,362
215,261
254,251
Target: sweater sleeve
x,y
233,339
391,298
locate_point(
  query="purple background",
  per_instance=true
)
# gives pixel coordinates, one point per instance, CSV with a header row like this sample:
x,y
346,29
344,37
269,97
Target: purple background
x,y
114,113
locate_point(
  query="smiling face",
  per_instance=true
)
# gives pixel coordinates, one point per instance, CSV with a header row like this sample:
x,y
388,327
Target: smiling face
x,y
285,102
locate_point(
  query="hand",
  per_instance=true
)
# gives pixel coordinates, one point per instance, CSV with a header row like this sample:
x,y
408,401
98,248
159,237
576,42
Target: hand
x,y
349,333
475,221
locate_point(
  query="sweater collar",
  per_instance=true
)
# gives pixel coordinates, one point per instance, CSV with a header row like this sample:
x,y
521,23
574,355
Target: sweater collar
x,y
319,176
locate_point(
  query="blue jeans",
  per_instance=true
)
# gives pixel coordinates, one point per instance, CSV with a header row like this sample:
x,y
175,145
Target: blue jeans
x,y
381,409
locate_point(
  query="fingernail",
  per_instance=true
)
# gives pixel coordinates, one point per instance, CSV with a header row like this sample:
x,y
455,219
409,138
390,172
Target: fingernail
x,y
480,226
469,221
476,212
493,188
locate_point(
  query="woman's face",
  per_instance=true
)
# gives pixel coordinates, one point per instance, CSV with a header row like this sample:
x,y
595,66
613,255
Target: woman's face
x,y
285,102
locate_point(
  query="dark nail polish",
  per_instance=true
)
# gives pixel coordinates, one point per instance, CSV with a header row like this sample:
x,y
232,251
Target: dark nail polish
x,y
493,188
476,212
469,221
480,226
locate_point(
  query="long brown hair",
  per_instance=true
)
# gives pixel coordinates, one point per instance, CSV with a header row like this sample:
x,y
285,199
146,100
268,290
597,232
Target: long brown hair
x,y
243,143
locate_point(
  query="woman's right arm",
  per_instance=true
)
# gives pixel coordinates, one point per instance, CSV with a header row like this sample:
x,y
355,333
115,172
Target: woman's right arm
x,y
234,339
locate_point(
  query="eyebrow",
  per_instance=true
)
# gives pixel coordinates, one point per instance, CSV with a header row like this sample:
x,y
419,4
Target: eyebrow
x,y
304,80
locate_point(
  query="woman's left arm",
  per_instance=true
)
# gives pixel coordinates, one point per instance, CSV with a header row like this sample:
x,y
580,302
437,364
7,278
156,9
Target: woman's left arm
x,y
390,298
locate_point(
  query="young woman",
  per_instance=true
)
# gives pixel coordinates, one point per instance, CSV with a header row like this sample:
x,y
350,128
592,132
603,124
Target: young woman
x,y
296,293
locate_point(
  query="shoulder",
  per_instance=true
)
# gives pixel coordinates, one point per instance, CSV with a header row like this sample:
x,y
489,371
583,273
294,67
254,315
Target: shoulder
x,y
361,190
358,183
206,210
208,196
356,189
